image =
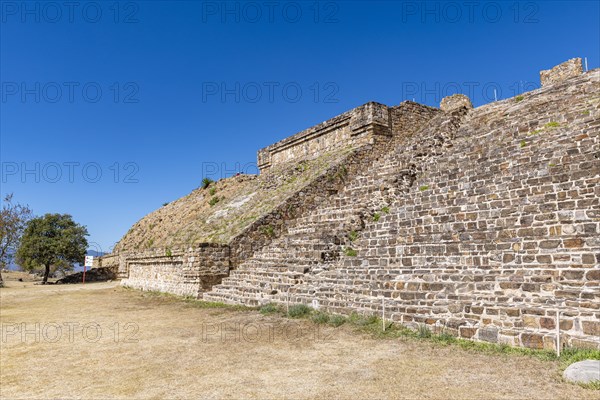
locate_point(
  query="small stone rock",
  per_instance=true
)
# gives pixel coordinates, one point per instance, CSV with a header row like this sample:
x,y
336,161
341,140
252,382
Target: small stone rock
x,y
583,371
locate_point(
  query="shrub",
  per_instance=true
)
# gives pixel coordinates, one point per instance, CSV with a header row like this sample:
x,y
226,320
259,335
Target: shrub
x,y
523,143
165,204
519,98
299,311
214,200
320,318
376,217
168,252
337,320
212,191
385,210
270,308
206,182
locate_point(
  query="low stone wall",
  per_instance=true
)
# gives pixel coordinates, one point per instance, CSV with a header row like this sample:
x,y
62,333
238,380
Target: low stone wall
x,y
185,273
353,128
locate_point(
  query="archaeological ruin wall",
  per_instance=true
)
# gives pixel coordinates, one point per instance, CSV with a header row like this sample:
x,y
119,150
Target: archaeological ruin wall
x,y
483,222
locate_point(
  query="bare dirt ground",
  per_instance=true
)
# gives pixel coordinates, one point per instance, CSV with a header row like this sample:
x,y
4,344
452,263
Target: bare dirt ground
x,y
99,341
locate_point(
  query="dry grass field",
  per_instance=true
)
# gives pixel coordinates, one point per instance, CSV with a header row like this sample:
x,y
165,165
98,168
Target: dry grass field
x,y
100,341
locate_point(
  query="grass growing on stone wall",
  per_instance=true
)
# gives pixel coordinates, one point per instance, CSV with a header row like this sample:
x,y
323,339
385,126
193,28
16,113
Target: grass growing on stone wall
x,y
519,99
350,252
376,217
352,236
552,124
423,188
268,231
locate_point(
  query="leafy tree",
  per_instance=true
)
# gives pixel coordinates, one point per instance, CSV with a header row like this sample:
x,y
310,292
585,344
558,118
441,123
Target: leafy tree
x,y
51,240
13,219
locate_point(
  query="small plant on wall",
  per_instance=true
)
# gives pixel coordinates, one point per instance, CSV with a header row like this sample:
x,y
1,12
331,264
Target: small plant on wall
x,y
268,231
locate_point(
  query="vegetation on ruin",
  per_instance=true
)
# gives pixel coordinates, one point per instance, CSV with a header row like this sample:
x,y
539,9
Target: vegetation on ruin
x,y
350,252
206,182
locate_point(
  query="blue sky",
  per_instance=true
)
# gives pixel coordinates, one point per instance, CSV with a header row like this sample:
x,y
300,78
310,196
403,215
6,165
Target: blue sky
x,y
109,109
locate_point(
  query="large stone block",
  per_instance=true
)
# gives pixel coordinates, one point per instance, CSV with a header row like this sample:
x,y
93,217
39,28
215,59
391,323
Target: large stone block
x,y
561,72
455,102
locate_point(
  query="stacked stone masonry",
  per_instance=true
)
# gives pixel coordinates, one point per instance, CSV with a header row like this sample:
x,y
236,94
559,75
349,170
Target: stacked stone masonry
x,y
483,222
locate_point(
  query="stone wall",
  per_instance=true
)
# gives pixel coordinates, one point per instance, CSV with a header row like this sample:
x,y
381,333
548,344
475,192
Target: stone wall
x,y
481,222
566,70
485,224
184,273
353,128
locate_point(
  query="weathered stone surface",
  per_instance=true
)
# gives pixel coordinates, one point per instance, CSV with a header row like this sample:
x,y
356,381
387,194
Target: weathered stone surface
x,y
482,221
583,371
566,70
455,102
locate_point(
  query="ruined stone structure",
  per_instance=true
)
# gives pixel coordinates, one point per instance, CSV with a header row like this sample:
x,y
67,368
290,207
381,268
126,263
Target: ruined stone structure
x,y
484,221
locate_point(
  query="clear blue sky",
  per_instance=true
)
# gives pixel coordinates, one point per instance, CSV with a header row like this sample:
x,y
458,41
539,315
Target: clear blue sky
x,y
163,92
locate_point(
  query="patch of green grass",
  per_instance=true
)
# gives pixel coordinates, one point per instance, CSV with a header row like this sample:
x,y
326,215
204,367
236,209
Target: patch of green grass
x,y
534,132
551,165
523,143
168,252
552,124
214,200
586,112
569,356
423,188
593,385
150,243
352,236
423,331
337,320
519,99
350,252
212,191
268,231
270,308
320,317
376,217
299,311
385,210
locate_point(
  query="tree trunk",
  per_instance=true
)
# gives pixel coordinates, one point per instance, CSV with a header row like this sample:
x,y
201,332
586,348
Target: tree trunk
x,y
46,273
1,280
